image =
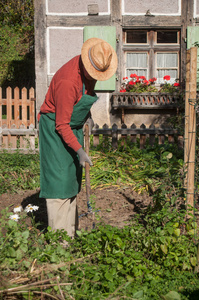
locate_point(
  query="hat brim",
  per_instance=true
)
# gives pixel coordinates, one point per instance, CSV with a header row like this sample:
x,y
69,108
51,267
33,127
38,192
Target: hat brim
x,y
97,75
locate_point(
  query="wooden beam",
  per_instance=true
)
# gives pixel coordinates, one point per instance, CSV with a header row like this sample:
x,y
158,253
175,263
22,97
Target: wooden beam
x,y
187,96
192,129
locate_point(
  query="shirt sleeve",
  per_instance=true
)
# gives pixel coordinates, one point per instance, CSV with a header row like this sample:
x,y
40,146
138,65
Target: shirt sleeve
x,y
66,95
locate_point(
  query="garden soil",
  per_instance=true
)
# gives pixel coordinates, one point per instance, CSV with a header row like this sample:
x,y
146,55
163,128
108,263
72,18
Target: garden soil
x,y
114,206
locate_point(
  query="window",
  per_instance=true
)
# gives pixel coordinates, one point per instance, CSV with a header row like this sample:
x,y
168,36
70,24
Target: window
x,y
152,53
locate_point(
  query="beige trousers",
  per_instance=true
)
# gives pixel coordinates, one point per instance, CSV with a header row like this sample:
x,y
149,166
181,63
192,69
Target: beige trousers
x,y
62,214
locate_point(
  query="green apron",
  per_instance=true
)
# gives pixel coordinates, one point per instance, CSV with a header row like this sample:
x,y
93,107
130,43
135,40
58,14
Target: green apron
x,y
60,171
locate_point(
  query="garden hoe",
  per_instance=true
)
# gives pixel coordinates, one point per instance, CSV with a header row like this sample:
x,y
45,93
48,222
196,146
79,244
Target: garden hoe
x,y
87,178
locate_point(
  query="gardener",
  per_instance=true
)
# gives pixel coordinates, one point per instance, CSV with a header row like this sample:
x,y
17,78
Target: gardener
x,y
61,118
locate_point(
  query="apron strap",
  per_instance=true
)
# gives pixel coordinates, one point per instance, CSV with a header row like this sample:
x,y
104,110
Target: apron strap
x,y
83,91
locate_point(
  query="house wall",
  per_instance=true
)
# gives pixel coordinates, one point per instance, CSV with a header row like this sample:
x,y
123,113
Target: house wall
x,y
59,26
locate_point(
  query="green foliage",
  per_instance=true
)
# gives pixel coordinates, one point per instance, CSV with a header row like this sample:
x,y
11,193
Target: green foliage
x,y
19,171
17,13
169,88
127,166
17,43
140,261
140,168
152,258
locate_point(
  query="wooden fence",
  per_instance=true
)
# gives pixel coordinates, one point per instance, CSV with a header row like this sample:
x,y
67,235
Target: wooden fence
x,y
17,119
134,133
17,125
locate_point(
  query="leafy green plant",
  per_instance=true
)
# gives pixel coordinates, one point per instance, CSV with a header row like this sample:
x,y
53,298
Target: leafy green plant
x,y
19,171
132,262
152,258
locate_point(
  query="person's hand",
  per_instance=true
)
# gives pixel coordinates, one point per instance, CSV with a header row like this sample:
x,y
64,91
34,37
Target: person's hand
x,y
83,157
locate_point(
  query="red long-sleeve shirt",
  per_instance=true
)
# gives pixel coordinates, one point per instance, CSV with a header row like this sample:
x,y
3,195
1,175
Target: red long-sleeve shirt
x,y
64,92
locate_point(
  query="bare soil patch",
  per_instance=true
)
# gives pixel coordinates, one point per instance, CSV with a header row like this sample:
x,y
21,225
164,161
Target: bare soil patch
x,y
115,206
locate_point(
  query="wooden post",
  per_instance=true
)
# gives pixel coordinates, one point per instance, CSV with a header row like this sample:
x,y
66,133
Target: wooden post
x,y
187,96
192,129
87,167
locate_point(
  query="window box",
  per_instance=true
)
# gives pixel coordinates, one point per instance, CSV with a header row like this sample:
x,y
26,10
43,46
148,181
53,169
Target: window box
x,y
145,100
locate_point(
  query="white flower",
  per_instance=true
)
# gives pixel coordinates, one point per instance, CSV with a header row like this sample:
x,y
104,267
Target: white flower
x,y
35,207
14,217
31,208
28,208
18,208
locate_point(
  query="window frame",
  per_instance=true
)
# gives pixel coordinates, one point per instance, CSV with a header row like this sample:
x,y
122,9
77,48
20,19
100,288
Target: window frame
x,y
152,48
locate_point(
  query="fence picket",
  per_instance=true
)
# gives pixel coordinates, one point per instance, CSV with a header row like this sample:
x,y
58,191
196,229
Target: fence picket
x,y
17,130
123,134
17,125
114,136
24,107
133,132
16,106
32,106
9,106
142,136
152,136
133,136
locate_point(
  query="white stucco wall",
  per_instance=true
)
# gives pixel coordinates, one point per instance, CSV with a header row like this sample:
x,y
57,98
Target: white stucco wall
x,y
63,43
68,7
100,110
196,8
140,7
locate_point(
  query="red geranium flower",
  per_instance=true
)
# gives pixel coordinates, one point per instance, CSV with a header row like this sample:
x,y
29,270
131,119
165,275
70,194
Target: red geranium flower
x,y
176,84
146,82
122,91
153,79
167,77
133,76
131,82
142,77
137,81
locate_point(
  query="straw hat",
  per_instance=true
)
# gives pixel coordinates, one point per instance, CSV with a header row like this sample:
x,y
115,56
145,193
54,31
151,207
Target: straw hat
x,y
99,59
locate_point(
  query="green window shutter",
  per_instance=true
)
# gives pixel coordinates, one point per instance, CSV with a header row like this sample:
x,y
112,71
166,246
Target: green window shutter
x,y
193,37
107,33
